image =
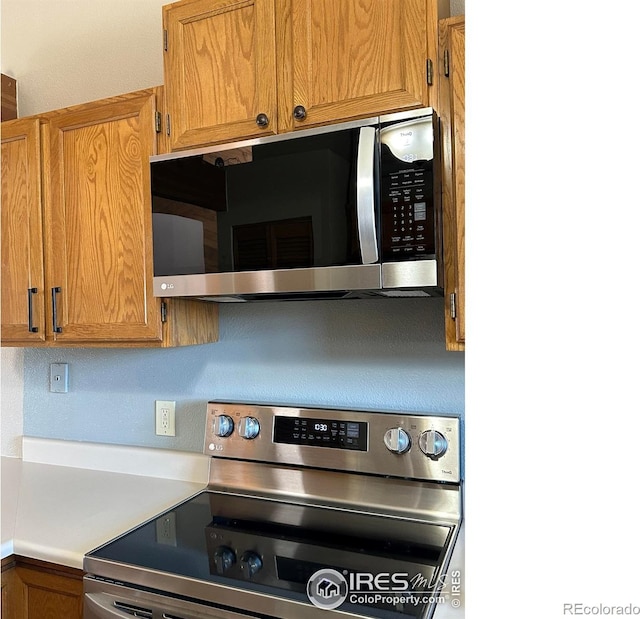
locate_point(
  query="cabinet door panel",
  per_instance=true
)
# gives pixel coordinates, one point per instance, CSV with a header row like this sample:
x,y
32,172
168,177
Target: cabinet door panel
x,y
452,43
219,70
357,57
22,255
99,215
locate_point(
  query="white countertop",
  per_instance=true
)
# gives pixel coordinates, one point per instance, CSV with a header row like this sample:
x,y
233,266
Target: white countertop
x,y
59,510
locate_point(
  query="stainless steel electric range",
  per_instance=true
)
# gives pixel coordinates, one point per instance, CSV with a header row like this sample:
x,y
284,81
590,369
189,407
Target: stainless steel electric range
x,y
309,513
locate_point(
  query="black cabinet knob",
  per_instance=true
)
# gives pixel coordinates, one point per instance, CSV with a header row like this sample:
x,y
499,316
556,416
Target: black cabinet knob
x,y
299,113
262,120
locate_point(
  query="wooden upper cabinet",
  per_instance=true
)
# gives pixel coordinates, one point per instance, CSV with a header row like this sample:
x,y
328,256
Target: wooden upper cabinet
x,y
98,217
22,279
76,197
220,70
452,116
355,58
230,64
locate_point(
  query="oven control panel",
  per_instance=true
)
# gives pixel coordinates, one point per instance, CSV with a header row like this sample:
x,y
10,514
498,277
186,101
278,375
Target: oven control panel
x,y
397,444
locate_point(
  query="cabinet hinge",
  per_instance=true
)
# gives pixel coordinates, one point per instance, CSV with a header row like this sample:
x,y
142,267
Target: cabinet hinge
x,y
158,122
452,305
446,62
429,72
165,40
163,311
168,124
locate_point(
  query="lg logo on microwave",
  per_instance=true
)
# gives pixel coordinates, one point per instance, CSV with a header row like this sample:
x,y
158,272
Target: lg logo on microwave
x,y
166,286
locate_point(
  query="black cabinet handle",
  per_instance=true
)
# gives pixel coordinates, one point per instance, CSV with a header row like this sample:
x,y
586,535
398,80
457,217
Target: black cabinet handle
x,y
262,120
299,113
30,293
54,309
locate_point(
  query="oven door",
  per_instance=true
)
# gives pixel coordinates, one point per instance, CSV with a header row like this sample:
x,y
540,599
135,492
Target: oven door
x,y
106,600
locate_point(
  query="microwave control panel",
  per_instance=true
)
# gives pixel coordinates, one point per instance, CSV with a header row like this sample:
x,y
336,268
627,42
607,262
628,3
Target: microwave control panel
x,y
408,226
407,190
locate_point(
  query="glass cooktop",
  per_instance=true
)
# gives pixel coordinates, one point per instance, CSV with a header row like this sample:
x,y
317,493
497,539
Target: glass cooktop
x,y
387,567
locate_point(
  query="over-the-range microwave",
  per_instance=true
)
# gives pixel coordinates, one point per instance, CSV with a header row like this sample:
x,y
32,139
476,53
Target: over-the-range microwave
x,y
342,211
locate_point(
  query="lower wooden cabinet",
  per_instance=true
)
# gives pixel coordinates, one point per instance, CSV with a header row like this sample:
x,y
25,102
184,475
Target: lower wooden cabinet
x,y
33,589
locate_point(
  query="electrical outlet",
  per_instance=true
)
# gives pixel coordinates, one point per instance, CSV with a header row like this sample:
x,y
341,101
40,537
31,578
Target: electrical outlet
x,y
59,378
165,418
166,529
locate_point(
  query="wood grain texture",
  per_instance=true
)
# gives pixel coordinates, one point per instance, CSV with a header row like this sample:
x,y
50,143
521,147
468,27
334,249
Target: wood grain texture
x,y
357,58
22,253
98,242
98,212
452,98
190,322
9,98
219,70
40,590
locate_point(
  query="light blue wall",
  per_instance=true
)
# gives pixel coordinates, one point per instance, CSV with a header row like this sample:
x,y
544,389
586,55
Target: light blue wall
x,y
377,354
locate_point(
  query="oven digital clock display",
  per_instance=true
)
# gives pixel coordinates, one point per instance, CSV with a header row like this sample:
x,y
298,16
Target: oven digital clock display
x,y
338,434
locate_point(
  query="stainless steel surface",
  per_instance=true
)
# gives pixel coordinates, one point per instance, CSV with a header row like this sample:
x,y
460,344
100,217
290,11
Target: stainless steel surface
x,y
427,502
104,600
411,274
410,140
251,602
366,203
377,459
321,279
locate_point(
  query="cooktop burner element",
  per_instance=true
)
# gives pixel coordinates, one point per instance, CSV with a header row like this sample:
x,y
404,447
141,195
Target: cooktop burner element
x,y
308,512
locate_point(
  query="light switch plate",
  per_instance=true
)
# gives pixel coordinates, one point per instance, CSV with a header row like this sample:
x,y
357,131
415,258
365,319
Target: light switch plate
x,y
59,378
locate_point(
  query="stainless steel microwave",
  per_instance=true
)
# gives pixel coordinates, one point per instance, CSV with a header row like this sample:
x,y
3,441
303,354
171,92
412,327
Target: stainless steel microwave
x,y
342,211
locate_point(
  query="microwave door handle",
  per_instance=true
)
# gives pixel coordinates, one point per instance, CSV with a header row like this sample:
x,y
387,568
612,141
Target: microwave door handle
x,y
365,196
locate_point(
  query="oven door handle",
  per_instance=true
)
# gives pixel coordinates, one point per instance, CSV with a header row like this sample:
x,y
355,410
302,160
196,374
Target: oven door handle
x,y
109,606
98,606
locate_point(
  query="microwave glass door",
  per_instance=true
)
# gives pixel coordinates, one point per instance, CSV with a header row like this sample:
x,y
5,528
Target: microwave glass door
x,y
277,205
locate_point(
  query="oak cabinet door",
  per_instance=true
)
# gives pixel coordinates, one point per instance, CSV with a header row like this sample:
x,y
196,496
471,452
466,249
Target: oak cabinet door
x,y
355,58
33,589
22,277
98,220
220,70
452,116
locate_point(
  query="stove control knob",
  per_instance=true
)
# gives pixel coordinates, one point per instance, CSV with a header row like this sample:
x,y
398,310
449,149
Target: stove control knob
x,y
397,440
433,444
222,425
250,564
249,427
224,558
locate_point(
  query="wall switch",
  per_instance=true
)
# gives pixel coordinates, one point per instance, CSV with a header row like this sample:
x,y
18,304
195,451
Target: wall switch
x,y
166,529
59,378
165,418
